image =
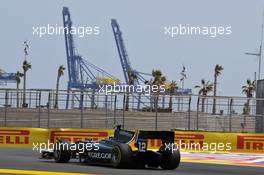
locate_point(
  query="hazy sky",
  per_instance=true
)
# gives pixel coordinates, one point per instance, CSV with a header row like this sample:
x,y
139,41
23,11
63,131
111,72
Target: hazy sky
x,y
142,23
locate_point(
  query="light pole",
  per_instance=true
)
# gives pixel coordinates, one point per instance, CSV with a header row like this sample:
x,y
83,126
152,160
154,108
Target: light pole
x,y
184,75
25,68
259,58
259,54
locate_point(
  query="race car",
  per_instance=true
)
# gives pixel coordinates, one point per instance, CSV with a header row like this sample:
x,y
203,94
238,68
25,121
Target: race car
x,y
126,149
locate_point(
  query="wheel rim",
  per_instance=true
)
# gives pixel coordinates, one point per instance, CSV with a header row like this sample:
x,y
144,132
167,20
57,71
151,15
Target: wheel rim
x,y
81,158
56,154
115,156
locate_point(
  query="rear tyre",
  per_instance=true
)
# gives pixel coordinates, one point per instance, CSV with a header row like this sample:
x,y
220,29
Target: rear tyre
x,y
121,156
62,153
81,158
170,161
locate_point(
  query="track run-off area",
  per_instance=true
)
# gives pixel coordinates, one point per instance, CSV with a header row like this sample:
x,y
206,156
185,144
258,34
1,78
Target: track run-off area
x,y
26,161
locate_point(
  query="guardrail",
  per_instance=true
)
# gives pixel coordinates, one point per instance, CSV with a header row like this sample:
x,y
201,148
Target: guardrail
x,y
37,139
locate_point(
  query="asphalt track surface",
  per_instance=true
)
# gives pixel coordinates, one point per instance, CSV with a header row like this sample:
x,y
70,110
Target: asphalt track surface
x,y
25,161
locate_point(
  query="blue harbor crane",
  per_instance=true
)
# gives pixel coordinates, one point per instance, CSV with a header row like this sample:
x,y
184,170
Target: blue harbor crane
x,y
128,71
126,65
82,74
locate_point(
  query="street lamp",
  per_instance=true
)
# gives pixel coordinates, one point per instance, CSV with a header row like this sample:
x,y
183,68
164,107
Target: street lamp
x,y
259,54
259,58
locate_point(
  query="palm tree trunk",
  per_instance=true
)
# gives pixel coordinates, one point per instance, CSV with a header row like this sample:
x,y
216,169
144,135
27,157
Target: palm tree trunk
x,y
24,89
157,101
151,102
214,102
170,103
156,112
203,101
17,88
247,115
57,91
248,102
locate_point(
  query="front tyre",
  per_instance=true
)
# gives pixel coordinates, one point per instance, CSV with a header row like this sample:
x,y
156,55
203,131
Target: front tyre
x,y
170,161
62,153
121,156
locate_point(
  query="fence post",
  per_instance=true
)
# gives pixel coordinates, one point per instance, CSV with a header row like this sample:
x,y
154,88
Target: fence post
x,y
230,114
106,110
139,101
5,120
163,101
6,104
115,109
189,113
197,114
48,106
178,107
81,116
29,103
124,104
39,110
6,98
81,107
156,112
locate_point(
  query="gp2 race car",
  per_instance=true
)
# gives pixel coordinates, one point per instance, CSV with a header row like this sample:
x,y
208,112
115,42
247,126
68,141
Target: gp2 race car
x,y
126,149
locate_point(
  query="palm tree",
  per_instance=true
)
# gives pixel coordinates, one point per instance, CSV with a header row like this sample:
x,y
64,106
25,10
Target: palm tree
x,y
60,73
131,80
172,87
217,72
18,80
248,89
205,88
26,67
158,80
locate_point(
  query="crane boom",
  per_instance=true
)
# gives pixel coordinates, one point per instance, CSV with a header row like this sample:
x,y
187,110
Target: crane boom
x,y
82,74
125,63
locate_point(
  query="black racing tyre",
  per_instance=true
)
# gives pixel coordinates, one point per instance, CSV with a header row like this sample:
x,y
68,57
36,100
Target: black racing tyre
x,y
82,158
121,156
170,161
62,153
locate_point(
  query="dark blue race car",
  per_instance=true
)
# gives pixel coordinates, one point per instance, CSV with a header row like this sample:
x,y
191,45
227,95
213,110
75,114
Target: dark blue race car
x,y
126,149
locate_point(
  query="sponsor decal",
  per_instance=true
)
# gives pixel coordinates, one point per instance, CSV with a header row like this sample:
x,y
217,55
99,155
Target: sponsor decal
x,y
250,142
96,155
154,143
14,137
192,139
183,138
189,138
73,136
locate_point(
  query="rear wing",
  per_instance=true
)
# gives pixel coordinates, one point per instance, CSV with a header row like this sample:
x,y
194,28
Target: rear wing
x,y
164,136
142,140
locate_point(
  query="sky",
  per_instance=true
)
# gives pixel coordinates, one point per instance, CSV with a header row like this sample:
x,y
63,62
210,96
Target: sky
x,y
142,23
